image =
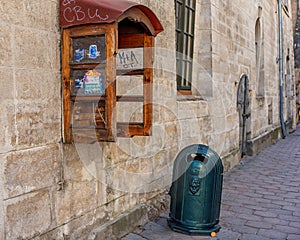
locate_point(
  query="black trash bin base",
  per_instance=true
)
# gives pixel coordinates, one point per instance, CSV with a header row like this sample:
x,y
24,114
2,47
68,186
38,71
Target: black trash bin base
x,y
176,226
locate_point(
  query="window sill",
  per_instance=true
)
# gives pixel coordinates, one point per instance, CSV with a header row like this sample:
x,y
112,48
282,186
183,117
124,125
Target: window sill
x,y
189,98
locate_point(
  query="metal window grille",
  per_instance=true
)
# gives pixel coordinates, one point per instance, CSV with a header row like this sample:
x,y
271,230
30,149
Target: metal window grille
x,y
185,26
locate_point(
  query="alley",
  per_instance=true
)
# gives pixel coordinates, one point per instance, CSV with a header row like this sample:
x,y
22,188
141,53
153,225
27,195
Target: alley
x,y
260,199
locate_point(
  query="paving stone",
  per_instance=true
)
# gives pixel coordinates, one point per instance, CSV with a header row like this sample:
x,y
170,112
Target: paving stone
x,y
252,237
265,214
250,217
238,209
244,229
260,225
290,218
281,211
154,231
292,200
292,208
293,237
288,229
255,207
277,221
293,224
297,214
227,234
272,234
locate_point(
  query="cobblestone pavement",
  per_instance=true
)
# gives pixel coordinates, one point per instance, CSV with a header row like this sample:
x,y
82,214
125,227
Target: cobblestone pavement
x,y
260,199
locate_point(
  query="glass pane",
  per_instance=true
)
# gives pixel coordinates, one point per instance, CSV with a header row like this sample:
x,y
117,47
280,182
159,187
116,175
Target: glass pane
x,y
183,73
134,112
130,85
192,23
88,82
88,114
186,46
130,59
88,50
186,19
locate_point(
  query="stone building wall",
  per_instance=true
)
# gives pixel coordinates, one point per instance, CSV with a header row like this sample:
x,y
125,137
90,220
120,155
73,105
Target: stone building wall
x,y
296,21
51,190
30,116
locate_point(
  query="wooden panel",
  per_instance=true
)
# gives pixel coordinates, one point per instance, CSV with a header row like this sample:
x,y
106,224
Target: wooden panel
x,y
88,98
110,78
131,40
66,84
148,81
87,66
130,72
87,114
137,14
130,129
88,30
89,135
130,98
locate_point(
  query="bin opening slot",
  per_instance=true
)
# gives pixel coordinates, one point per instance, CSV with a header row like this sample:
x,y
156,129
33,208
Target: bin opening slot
x,y
196,157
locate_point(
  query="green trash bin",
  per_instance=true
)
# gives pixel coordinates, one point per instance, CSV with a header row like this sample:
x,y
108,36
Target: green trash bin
x,y
196,191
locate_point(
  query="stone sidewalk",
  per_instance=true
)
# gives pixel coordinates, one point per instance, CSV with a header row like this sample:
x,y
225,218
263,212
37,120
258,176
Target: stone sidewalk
x,y
260,199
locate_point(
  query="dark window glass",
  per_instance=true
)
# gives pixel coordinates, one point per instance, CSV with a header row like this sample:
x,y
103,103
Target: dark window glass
x,y
185,24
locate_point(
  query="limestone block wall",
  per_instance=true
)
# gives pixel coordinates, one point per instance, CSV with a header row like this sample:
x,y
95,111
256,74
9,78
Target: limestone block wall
x,y
233,54
30,116
54,190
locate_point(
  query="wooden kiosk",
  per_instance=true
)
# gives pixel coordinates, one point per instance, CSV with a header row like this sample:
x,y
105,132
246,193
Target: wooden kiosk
x,y
107,69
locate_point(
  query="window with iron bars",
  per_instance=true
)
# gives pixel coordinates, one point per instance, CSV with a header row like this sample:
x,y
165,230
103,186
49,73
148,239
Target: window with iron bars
x,y
185,26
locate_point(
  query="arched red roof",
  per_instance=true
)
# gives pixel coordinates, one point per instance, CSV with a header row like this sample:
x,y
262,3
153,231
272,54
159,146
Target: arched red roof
x,y
79,12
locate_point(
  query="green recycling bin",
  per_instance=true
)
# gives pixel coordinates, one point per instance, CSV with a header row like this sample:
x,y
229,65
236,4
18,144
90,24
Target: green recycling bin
x,y
196,191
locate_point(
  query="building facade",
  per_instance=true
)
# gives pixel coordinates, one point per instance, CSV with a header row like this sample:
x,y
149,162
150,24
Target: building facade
x,y
216,81
296,19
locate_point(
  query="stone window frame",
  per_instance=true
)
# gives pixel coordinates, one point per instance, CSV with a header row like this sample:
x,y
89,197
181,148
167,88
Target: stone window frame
x,y
185,33
259,56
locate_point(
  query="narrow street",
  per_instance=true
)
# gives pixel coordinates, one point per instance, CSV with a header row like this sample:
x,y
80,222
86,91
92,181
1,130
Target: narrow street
x,y
260,199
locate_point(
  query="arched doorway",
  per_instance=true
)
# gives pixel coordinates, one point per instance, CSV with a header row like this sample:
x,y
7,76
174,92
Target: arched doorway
x,y
244,111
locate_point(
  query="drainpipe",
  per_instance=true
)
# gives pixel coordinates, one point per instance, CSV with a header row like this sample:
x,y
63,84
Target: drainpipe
x,y
281,69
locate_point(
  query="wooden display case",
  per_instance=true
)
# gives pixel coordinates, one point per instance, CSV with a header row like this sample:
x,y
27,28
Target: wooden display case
x,y
107,73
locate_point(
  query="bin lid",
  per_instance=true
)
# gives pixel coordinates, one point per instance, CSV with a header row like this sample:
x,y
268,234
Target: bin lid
x,y
79,12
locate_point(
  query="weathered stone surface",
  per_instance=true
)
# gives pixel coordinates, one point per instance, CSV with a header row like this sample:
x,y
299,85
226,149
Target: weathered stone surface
x,y
31,170
120,226
32,84
2,214
38,122
6,55
7,126
79,162
28,216
29,13
76,199
29,43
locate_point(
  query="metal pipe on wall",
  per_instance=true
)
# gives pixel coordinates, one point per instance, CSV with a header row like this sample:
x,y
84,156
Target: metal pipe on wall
x,y
281,70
